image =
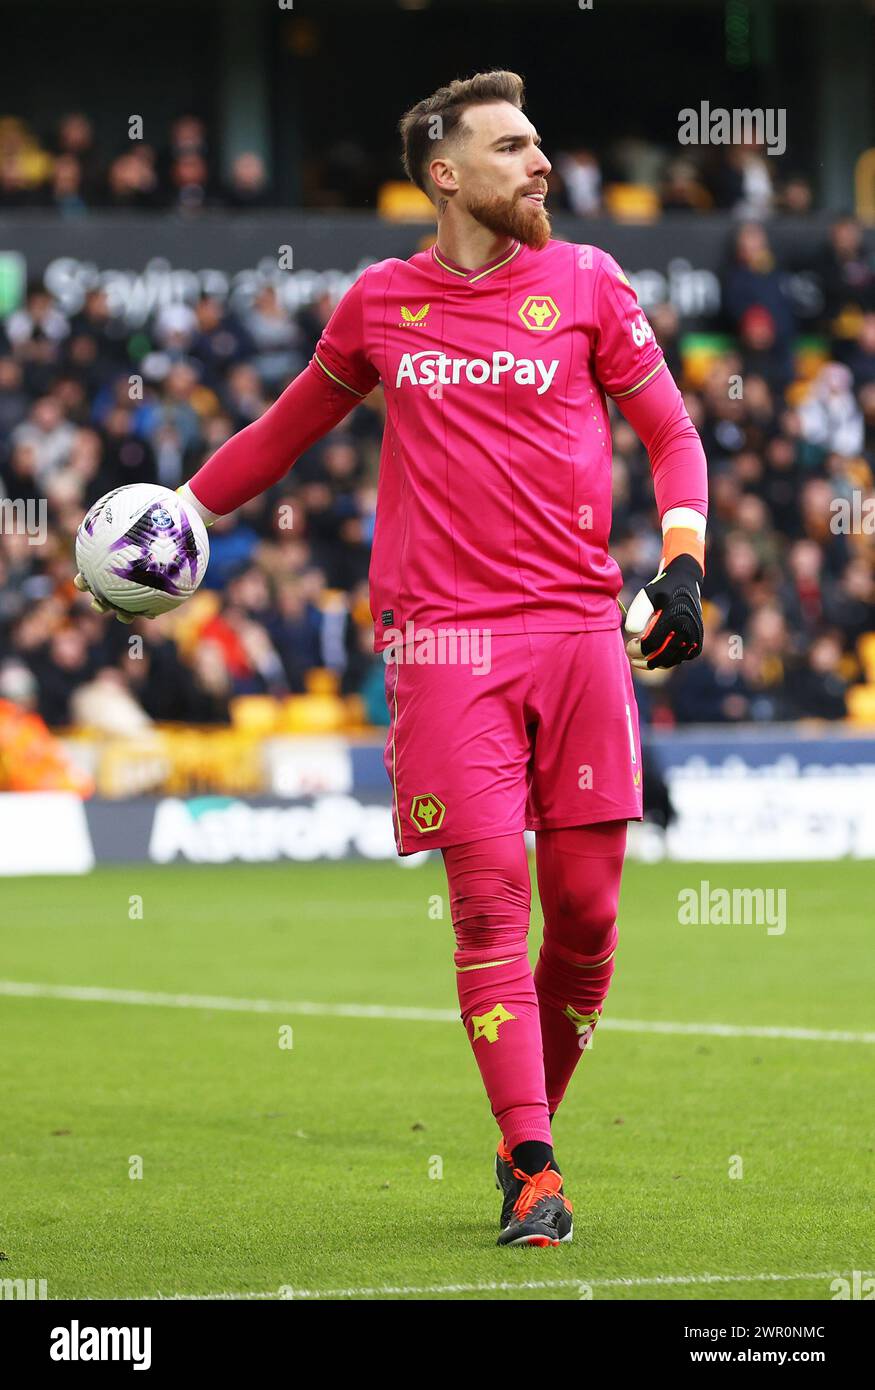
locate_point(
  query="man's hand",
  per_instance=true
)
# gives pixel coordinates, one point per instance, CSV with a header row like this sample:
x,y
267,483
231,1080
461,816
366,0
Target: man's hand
x,y
100,606
664,621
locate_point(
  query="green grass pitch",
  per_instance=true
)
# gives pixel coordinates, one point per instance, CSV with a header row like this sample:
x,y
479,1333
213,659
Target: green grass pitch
x,y
312,1169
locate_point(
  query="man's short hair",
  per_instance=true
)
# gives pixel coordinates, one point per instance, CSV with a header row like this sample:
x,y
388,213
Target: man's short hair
x,y
438,119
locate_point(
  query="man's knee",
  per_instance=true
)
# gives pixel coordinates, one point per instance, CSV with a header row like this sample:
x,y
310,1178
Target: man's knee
x,y
489,888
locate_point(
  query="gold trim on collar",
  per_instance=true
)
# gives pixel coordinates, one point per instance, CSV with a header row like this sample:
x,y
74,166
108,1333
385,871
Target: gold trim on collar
x,y
479,275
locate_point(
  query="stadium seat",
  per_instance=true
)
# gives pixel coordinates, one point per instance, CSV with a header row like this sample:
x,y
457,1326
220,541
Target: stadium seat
x,y
313,714
809,356
861,705
864,187
356,713
632,202
866,652
399,201
322,681
699,352
255,714
848,323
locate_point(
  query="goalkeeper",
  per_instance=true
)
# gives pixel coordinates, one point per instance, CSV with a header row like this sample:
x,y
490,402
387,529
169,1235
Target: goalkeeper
x,y
497,349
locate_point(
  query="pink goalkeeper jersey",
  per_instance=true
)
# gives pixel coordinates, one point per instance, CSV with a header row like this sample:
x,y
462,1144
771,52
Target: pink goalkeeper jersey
x,y
494,497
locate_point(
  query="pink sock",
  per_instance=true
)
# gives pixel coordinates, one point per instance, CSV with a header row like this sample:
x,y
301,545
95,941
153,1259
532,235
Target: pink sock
x,y
490,900
579,871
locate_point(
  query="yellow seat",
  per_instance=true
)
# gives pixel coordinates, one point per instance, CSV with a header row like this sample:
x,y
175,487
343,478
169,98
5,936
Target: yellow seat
x,y
255,714
322,681
809,360
313,714
356,713
699,353
399,201
632,202
864,187
866,652
861,704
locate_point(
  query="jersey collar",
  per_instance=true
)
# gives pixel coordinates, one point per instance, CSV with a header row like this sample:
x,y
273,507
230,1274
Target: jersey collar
x,y
473,276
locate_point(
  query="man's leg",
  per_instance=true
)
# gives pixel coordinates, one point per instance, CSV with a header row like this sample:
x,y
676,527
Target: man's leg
x,y
585,786
579,871
457,754
490,897
490,901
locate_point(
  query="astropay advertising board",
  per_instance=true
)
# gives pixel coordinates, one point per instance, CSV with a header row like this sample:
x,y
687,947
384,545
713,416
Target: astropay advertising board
x,y
744,796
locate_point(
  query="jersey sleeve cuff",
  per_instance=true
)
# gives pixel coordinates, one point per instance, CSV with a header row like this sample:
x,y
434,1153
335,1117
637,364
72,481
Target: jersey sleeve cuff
x,y
206,516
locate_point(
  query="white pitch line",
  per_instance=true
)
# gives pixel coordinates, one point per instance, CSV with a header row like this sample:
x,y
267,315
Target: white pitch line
x,y
96,994
651,1281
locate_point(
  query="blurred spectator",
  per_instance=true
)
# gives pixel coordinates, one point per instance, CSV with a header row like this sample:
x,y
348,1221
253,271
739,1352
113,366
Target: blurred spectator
x,y
665,322
231,547
106,705
847,270
753,280
276,339
817,689
713,689
14,400
796,196
220,340
249,187
861,357
683,190
189,180
132,181
762,355
295,631
35,330
830,416
64,191
581,180
75,141
788,595
61,665
743,182
48,434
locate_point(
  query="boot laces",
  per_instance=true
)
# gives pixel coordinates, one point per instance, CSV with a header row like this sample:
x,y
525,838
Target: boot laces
x,y
536,1188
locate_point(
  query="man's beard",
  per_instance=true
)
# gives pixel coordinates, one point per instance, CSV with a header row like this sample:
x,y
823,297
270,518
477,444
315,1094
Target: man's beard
x,y
514,217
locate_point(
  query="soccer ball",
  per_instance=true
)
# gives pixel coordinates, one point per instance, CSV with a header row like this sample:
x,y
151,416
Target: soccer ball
x,y
141,549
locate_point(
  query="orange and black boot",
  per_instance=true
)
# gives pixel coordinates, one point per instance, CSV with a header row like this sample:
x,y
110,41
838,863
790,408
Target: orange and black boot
x,y
509,1186
541,1214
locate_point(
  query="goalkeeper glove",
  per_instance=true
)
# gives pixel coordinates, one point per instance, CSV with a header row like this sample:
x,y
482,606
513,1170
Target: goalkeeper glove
x,y
100,605
665,617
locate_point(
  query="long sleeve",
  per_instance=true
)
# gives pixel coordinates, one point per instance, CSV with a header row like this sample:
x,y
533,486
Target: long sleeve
x,y
337,378
677,463
262,453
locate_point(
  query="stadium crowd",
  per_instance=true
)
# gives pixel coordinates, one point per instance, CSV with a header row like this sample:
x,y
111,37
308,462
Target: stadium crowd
x,y
84,408
66,171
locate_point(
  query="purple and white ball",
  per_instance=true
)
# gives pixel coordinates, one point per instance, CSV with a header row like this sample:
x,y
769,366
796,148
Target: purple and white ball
x,y
142,549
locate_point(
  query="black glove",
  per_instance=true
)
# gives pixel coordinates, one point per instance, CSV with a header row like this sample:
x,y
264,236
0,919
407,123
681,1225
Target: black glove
x,y
665,617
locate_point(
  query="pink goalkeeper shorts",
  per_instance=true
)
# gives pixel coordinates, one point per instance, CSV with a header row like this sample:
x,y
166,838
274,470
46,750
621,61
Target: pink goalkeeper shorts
x,y
512,732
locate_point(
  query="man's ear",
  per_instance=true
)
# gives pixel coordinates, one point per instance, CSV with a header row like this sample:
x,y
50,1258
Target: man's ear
x,y
443,178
